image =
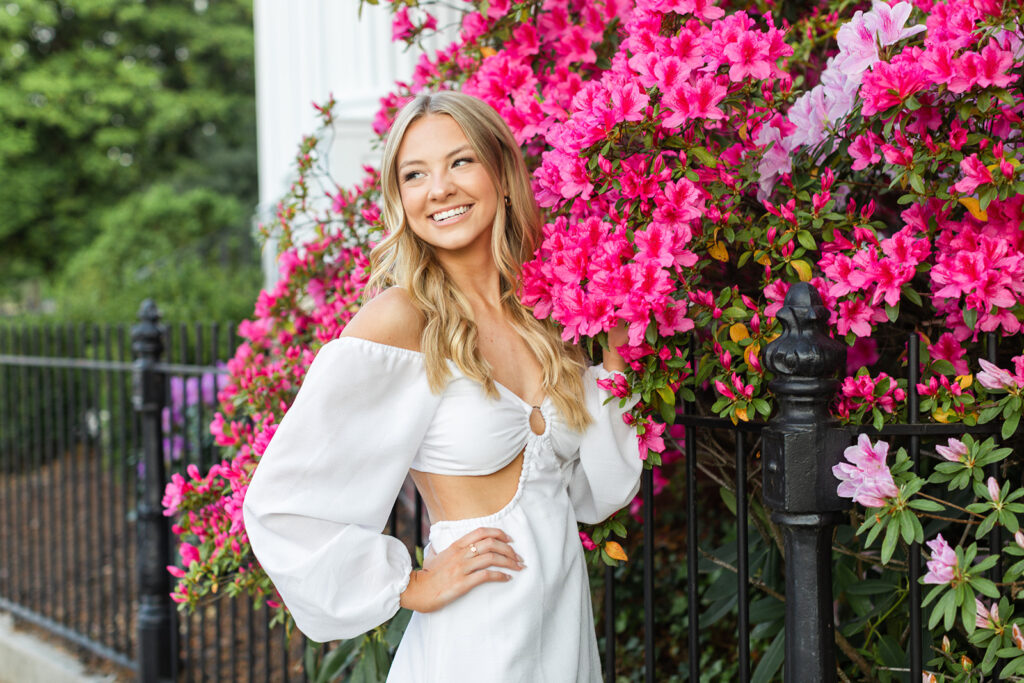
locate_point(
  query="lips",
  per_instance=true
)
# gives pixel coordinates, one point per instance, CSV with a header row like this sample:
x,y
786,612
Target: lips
x,y
448,214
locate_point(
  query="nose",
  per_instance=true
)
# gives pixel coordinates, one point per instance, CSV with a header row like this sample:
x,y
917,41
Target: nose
x,y
441,186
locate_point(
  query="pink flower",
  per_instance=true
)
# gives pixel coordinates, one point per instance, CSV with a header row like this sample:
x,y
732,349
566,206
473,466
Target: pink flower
x,y
888,22
748,57
651,439
975,174
889,84
587,541
954,450
863,150
855,315
985,618
401,27
866,479
993,489
695,101
949,349
942,565
995,378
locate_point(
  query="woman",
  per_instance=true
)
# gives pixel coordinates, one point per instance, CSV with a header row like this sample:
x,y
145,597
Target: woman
x,y
445,375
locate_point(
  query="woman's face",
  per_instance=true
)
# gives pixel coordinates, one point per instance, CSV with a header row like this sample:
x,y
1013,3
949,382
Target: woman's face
x,y
448,197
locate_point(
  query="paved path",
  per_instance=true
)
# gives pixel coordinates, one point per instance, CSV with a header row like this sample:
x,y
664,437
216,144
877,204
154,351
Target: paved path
x,y
26,659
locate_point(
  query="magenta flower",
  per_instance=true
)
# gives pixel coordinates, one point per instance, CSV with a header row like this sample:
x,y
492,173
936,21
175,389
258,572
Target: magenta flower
x,y
863,150
401,27
748,57
949,349
942,565
866,478
975,174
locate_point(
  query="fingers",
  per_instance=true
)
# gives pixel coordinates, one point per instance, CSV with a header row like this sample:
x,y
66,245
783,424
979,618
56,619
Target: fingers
x,y
486,576
496,553
477,535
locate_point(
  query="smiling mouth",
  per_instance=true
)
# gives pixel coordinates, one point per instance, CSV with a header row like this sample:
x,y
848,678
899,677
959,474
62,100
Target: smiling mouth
x,y
448,214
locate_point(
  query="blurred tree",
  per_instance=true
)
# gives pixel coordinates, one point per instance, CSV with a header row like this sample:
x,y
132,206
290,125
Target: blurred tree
x,y
107,107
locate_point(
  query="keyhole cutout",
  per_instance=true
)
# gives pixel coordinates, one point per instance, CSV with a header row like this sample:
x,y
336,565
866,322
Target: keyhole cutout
x,y
537,424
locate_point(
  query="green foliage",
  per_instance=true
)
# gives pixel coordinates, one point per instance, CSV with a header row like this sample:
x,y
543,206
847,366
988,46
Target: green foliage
x,y
180,249
102,99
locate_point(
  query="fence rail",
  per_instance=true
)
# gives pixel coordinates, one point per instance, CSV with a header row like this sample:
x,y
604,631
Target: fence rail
x,y
90,431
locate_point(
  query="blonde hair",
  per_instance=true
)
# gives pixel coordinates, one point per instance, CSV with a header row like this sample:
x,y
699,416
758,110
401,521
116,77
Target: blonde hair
x,y
403,259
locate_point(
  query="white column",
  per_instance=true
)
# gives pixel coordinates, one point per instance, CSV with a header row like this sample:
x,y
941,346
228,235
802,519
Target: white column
x,y
305,51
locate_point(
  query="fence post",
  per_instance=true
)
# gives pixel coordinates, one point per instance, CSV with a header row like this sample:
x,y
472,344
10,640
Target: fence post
x,y
155,644
800,445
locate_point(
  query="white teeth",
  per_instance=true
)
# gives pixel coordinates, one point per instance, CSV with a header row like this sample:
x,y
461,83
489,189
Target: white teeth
x,y
445,215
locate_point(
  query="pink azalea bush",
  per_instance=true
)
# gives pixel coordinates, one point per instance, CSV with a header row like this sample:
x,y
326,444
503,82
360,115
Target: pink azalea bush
x,y
693,159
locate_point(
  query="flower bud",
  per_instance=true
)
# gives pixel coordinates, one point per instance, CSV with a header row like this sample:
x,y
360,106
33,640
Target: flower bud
x,y
1018,639
966,663
945,644
993,489
1019,538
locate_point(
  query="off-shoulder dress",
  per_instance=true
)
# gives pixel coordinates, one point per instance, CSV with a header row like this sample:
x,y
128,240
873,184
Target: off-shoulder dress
x,y
323,491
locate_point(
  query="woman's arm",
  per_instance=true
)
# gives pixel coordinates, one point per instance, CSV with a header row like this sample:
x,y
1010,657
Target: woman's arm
x,y
617,336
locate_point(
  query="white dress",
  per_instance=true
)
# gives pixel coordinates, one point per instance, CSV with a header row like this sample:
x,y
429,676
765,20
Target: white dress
x,y
324,489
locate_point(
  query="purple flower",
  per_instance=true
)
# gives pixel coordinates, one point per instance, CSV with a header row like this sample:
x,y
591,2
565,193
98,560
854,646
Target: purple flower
x,y
942,565
866,479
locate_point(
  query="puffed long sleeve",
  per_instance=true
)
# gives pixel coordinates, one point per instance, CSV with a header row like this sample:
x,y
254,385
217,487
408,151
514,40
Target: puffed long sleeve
x,y
324,489
607,474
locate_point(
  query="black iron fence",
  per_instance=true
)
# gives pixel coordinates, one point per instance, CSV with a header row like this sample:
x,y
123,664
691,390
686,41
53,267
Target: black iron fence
x,y
90,431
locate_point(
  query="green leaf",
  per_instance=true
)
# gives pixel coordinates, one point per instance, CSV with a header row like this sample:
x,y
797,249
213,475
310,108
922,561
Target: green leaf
x,y
1010,426
397,626
969,611
970,317
705,157
729,498
806,240
337,659
985,587
892,535
771,661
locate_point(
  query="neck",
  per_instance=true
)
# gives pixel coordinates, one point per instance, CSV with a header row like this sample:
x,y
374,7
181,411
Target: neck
x,y
477,278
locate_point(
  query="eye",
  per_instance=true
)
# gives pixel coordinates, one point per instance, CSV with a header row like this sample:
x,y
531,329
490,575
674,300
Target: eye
x,y
462,161
411,175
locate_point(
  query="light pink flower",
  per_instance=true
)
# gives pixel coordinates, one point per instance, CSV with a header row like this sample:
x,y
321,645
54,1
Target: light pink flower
x,y
942,565
866,479
993,489
954,450
995,378
985,618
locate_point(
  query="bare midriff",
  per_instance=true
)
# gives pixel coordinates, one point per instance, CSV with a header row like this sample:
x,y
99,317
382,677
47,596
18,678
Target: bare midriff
x,y
452,497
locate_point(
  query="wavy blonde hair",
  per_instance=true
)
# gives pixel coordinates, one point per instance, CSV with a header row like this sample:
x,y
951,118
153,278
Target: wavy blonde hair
x,y
403,259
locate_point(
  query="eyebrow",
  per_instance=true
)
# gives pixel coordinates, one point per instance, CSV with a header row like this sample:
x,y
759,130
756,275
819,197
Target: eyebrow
x,y
454,152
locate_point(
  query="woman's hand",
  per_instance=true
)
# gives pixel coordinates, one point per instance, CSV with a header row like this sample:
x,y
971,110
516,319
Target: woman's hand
x,y
617,336
463,565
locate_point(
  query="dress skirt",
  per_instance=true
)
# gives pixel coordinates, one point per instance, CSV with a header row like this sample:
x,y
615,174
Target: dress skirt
x,y
536,628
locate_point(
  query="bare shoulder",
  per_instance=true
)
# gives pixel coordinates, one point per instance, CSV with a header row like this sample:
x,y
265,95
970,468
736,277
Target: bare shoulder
x,y
388,318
